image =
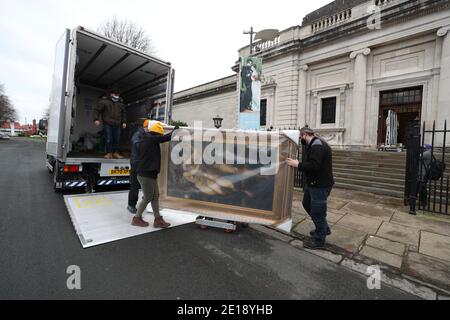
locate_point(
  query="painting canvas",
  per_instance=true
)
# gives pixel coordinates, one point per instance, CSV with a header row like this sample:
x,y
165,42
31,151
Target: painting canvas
x,y
239,191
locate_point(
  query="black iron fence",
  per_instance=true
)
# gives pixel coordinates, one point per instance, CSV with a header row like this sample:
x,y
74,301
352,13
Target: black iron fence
x,y
299,180
426,180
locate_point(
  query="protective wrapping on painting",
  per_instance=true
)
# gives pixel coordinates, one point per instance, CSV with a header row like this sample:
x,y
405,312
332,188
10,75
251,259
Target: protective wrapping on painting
x,y
229,174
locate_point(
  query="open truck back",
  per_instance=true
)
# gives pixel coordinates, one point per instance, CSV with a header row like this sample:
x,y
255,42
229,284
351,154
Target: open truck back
x,y
87,66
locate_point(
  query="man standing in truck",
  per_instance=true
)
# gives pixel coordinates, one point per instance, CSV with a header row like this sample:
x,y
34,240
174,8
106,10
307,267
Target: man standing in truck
x,y
112,113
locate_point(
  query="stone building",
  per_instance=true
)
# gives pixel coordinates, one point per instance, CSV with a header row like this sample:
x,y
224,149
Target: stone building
x,y
342,70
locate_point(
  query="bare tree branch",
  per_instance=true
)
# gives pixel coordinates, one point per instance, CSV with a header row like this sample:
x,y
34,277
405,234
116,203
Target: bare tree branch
x,y
128,33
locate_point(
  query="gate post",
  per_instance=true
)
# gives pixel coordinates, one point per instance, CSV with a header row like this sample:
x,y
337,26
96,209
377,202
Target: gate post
x,y
412,166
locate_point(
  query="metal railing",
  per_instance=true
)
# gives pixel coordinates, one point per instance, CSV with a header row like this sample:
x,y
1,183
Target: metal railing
x,y
421,192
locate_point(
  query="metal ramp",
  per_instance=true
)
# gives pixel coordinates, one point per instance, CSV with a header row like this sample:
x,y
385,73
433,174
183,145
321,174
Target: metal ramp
x,y
102,218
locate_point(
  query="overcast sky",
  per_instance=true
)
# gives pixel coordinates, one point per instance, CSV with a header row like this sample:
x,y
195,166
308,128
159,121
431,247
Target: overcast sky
x,y
199,37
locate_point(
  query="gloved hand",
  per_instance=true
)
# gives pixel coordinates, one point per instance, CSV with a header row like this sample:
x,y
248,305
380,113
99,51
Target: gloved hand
x,y
176,128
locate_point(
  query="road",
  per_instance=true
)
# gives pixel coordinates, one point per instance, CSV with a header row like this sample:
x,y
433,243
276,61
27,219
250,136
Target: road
x,y
38,243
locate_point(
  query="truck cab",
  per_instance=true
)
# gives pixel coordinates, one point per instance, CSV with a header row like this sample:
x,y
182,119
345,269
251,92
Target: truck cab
x,y
88,65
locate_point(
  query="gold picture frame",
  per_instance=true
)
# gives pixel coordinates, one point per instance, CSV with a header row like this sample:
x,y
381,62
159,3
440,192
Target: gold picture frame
x,y
251,203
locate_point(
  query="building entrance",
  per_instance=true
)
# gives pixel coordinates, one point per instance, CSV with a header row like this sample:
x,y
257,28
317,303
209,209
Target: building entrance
x,y
398,108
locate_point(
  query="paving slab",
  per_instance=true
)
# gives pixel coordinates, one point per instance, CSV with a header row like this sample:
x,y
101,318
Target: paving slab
x,y
297,218
422,223
391,202
372,211
297,204
386,245
435,245
304,228
361,223
427,268
336,204
347,239
399,233
382,256
361,197
299,211
334,216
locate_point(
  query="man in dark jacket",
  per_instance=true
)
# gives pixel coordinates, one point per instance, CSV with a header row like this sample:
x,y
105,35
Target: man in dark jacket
x,y
133,194
112,112
318,170
148,167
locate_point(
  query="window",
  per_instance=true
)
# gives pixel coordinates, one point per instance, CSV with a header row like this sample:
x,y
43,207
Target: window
x,y
161,112
402,96
263,114
329,110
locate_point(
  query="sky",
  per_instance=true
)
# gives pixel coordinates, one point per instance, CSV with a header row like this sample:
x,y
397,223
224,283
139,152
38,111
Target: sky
x,y
200,38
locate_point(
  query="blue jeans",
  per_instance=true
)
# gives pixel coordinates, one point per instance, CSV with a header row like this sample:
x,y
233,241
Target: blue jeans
x,y
112,138
315,203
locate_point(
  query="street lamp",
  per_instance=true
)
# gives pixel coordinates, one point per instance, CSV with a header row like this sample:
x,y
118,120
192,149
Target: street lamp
x,y
218,122
263,35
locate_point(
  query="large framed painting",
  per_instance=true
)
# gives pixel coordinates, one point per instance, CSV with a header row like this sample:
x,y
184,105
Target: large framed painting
x,y
227,174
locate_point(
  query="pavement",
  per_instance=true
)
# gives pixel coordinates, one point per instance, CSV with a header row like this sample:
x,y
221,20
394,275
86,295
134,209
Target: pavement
x,y
38,244
374,229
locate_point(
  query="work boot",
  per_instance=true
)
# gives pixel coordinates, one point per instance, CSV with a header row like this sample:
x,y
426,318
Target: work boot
x,y
160,223
313,232
139,222
116,155
132,209
313,245
109,156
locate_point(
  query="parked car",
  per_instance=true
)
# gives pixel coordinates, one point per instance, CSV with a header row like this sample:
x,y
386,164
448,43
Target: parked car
x,y
4,136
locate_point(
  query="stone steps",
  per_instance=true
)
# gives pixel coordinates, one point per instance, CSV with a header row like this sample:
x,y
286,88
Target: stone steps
x,y
392,193
370,171
370,178
362,167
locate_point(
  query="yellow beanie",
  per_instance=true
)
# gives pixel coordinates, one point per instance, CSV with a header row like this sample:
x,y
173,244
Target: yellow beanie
x,y
155,126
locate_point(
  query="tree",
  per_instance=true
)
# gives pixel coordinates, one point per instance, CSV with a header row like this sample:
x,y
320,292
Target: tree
x,y
7,111
178,123
128,33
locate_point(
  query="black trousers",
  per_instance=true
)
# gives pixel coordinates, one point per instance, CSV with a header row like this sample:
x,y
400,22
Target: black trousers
x,y
133,195
315,203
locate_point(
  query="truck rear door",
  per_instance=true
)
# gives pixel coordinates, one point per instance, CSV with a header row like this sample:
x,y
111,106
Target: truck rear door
x,y
58,97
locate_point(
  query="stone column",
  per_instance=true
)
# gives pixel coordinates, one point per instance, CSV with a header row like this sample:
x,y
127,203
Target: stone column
x,y
301,108
359,96
443,106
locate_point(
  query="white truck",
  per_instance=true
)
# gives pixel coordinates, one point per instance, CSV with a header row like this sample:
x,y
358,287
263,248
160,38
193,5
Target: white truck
x,y
87,65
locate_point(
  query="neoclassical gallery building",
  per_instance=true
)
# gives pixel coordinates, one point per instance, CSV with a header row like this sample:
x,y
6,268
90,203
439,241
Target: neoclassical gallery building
x,y
341,71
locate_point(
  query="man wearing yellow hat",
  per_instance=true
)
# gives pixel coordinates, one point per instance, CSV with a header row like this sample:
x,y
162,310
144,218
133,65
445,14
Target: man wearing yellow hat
x,y
148,163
